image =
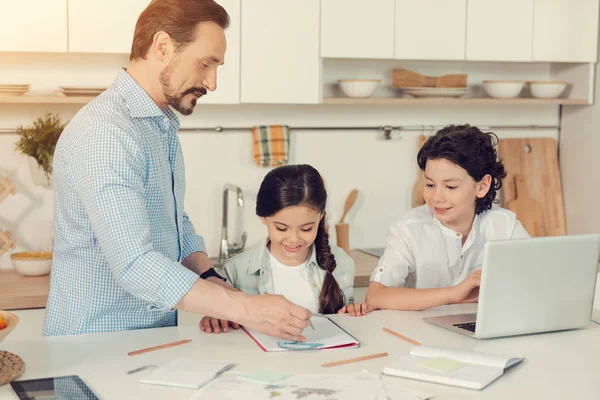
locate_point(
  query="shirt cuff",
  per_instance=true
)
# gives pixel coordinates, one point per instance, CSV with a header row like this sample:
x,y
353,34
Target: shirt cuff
x,y
176,282
192,244
382,275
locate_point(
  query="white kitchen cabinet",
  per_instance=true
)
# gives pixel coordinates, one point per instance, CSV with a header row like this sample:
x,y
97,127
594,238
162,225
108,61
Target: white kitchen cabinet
x,y
565,30
430,29
228,75
103,26
280,51
499,30
33,26
353,29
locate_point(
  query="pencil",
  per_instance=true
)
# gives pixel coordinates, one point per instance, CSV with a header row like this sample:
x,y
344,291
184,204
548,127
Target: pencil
x,y
311,324
352,360
399,336
162,346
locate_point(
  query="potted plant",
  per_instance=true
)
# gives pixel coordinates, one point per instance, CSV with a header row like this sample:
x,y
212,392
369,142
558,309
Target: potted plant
x,y
38,142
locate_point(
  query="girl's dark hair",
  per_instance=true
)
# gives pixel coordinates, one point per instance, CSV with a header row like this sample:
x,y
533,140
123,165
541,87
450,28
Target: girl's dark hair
x,y
471,149
302,185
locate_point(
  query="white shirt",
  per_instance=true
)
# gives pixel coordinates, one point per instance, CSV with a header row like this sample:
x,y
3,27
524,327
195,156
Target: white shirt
x,y
292,283
422,253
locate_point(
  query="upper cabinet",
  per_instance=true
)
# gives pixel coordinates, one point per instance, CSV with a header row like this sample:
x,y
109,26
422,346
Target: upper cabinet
x,y
499,30
103,26
357,29
280,51
228,75
430,29
34,26
565,31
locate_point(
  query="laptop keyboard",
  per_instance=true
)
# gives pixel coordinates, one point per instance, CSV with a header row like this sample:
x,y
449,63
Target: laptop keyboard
x,y
469,326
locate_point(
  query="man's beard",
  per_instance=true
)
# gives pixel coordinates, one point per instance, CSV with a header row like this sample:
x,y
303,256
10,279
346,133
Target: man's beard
x,y
174,100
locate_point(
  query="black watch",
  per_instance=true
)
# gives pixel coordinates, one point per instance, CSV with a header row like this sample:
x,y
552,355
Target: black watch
x,y
211,272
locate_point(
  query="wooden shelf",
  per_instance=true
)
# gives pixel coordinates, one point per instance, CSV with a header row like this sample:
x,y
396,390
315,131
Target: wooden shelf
x,y
44,100
335,100
452,101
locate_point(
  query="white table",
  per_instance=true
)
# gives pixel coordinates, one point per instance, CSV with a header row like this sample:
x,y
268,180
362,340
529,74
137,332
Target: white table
x,y
557,366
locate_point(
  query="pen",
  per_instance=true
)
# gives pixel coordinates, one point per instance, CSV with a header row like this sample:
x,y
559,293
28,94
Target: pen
x,y
311,324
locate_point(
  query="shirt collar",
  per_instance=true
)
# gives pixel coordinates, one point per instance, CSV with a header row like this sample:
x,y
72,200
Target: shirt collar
x,y
452,233
261,259
139,102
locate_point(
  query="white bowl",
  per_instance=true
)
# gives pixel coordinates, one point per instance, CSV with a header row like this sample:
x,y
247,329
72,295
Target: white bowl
x,y
11,320
547,90
359,88
32,264
503,89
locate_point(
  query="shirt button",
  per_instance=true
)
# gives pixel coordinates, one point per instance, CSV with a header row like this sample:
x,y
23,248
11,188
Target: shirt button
x,y
314,285
166,120
380,269
457,234
461,256
262,272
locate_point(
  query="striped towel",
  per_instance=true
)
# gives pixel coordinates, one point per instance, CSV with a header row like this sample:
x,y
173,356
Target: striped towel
x,y
271,145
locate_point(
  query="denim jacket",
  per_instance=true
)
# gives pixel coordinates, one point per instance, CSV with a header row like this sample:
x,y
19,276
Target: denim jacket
x,y
251,273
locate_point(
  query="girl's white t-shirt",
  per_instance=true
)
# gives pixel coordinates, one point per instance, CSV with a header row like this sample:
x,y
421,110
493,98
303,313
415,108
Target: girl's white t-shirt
x,y
422,253
293,284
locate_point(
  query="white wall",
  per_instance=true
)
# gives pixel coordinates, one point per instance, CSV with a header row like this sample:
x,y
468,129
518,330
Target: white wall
x,y
383,171
580,165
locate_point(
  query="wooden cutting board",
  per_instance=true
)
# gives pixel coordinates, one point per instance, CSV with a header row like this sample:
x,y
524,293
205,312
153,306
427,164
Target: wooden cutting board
x,y
536,161
527,209
420,183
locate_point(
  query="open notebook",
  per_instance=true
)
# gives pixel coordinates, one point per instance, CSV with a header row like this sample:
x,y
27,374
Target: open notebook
x,y
325,335
451,367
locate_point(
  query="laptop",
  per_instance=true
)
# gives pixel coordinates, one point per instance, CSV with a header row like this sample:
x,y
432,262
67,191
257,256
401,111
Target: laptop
x,y
532,285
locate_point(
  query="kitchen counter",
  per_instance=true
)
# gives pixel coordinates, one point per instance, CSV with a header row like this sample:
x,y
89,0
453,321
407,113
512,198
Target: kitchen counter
x,y
556,366
364,265
18,291
22,292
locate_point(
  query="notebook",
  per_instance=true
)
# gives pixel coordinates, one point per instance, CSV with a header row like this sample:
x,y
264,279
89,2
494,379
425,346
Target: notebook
x,y
451,367
186,373
325,335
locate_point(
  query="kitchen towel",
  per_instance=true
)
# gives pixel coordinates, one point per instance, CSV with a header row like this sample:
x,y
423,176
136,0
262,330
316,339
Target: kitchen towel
x,y
271,145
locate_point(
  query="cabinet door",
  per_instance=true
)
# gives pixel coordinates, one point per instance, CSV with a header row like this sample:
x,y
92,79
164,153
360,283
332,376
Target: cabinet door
x,y
430,29
228,75
280,51
357,29
500,30
34,26
566,31
103,26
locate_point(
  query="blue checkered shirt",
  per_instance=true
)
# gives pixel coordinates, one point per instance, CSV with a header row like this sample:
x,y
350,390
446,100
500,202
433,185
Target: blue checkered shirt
x,y
120,229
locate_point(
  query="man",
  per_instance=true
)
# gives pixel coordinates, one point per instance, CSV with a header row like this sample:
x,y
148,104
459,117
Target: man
x,y
126,255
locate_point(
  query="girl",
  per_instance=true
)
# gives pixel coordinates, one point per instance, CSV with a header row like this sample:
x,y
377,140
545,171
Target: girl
x,y
434,255
296,260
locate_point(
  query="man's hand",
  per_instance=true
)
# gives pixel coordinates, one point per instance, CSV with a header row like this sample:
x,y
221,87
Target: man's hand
x,y
275,316
209,325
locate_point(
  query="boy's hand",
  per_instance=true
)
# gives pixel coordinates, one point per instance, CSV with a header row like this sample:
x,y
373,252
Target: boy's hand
x,y
468,290
356,310
209,325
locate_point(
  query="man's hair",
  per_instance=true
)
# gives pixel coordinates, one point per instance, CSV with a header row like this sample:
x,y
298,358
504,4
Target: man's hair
x,y
178,18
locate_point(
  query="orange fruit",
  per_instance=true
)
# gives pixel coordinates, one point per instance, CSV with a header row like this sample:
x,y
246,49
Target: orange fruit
x,y
3,323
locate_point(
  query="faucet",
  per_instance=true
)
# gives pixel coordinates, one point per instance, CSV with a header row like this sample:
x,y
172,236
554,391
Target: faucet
x,y
228,250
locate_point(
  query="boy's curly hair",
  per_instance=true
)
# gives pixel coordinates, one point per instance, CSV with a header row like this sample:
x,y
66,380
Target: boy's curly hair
x,y
471,149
